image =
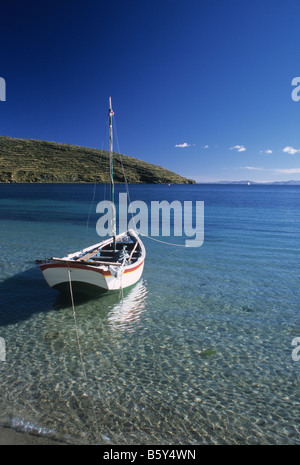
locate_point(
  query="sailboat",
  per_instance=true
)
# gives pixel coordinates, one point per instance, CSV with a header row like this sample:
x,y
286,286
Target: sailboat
x,y
113,264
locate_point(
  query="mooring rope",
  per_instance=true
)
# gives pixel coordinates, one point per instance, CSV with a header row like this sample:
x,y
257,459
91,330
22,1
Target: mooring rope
x,y
76,327
80,352
162,242
121,289
128,195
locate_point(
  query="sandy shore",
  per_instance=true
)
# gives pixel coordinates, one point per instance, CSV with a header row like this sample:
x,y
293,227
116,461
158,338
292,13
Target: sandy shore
x,y
9,437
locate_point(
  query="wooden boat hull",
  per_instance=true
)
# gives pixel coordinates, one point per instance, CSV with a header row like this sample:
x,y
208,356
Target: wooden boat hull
x,y
85,277
88,279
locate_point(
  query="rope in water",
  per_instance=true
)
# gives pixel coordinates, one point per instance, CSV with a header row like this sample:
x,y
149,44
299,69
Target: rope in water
x,y
80,351
76,327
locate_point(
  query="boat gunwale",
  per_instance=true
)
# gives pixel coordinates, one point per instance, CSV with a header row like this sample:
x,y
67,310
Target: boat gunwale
x,y
69,262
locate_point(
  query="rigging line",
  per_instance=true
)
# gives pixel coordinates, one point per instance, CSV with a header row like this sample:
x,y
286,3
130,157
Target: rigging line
x,y
90,210
106,164
162,242
80,352
127,190
124,174
95,182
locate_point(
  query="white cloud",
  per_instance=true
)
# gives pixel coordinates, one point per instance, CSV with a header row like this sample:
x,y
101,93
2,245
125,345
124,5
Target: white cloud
x,y
290,150
185,144
274,170
239,148
206,146
252,168
288,170
268,151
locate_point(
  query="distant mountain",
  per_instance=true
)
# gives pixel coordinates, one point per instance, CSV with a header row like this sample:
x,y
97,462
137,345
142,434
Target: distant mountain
x,y
283,183
29,160
235,182
291,183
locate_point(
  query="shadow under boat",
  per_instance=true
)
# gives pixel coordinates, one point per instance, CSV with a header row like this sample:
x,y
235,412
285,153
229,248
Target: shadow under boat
x,y
23,295
27,293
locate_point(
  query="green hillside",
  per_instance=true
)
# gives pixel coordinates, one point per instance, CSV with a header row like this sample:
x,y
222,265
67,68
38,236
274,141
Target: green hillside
x,y
28,160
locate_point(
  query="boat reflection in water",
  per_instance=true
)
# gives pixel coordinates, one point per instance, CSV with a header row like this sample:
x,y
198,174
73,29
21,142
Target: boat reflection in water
x,y
127,313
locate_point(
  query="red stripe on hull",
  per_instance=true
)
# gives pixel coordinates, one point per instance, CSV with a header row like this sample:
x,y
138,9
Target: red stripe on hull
x,y
85,267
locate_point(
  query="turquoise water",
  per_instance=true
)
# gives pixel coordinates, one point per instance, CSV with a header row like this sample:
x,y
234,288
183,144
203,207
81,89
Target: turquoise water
x,y
198,352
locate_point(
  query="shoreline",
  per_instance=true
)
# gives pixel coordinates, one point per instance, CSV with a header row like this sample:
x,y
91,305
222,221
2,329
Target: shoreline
x,y
11,437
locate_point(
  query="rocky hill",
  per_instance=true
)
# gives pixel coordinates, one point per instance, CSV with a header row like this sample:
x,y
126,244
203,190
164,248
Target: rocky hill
x,y
28,160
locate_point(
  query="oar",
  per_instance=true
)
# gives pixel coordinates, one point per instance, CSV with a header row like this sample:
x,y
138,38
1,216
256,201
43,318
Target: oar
x,y
132,252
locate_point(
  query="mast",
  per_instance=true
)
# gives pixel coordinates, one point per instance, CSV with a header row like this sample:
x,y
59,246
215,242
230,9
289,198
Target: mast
x,y
112,190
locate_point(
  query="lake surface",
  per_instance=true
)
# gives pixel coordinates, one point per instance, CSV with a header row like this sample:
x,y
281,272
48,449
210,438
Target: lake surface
x,y
198,352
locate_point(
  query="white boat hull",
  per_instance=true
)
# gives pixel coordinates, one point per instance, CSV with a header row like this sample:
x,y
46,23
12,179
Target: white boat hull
x,y
58,276
86,278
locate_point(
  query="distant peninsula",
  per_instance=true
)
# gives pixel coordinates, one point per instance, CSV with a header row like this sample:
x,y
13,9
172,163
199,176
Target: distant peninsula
x,y
266,183
39,161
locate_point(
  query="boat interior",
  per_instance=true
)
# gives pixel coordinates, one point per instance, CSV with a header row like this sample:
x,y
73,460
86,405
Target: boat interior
x,y
127,251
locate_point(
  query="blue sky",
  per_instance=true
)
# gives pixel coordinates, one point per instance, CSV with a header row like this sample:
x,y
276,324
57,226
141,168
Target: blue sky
x,y
201,87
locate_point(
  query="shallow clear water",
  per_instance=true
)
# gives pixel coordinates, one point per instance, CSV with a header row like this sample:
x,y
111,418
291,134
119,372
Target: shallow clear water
x,y
199,351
